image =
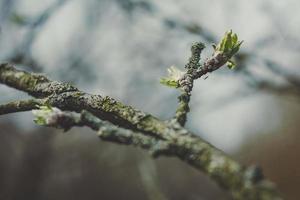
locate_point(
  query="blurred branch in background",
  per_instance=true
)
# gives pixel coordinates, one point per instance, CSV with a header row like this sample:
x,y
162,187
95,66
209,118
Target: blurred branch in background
x,y
150,178
131,5
22,53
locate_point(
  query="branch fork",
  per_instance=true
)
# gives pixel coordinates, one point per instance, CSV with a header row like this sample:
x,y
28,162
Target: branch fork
x,y
64,106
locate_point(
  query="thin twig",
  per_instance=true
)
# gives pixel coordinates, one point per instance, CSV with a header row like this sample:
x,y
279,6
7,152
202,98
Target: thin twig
x,y
186,83
54,117
20,106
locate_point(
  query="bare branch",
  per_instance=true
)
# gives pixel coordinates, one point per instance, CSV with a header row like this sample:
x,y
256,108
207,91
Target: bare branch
x,y
186,83
229,174
54,117
20,106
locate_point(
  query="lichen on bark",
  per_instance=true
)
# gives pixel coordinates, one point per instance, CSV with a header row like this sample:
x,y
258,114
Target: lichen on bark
x,y
140,129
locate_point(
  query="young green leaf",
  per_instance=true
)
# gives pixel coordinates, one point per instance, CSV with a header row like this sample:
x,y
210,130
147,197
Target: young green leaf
x,y
228,41
174,74
169,83
234,39
229,44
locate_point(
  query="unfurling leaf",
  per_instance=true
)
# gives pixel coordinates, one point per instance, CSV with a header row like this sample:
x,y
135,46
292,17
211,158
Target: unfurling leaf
x,y
174,74
168,82
229,44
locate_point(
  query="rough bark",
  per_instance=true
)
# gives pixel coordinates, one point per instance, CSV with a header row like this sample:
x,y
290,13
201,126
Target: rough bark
x,y
242,182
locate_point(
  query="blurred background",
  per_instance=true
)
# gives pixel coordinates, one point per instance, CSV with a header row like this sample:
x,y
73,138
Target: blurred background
x,y
122,48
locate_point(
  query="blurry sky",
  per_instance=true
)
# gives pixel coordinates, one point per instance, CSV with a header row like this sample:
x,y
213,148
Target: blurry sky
x,y
121,48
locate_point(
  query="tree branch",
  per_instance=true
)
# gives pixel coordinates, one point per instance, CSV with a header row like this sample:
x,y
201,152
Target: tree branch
x,y
20,106
54,117
186,83
224,51
240,181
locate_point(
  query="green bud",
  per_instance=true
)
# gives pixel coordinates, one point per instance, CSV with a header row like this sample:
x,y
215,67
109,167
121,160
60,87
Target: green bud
x,y
229,44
